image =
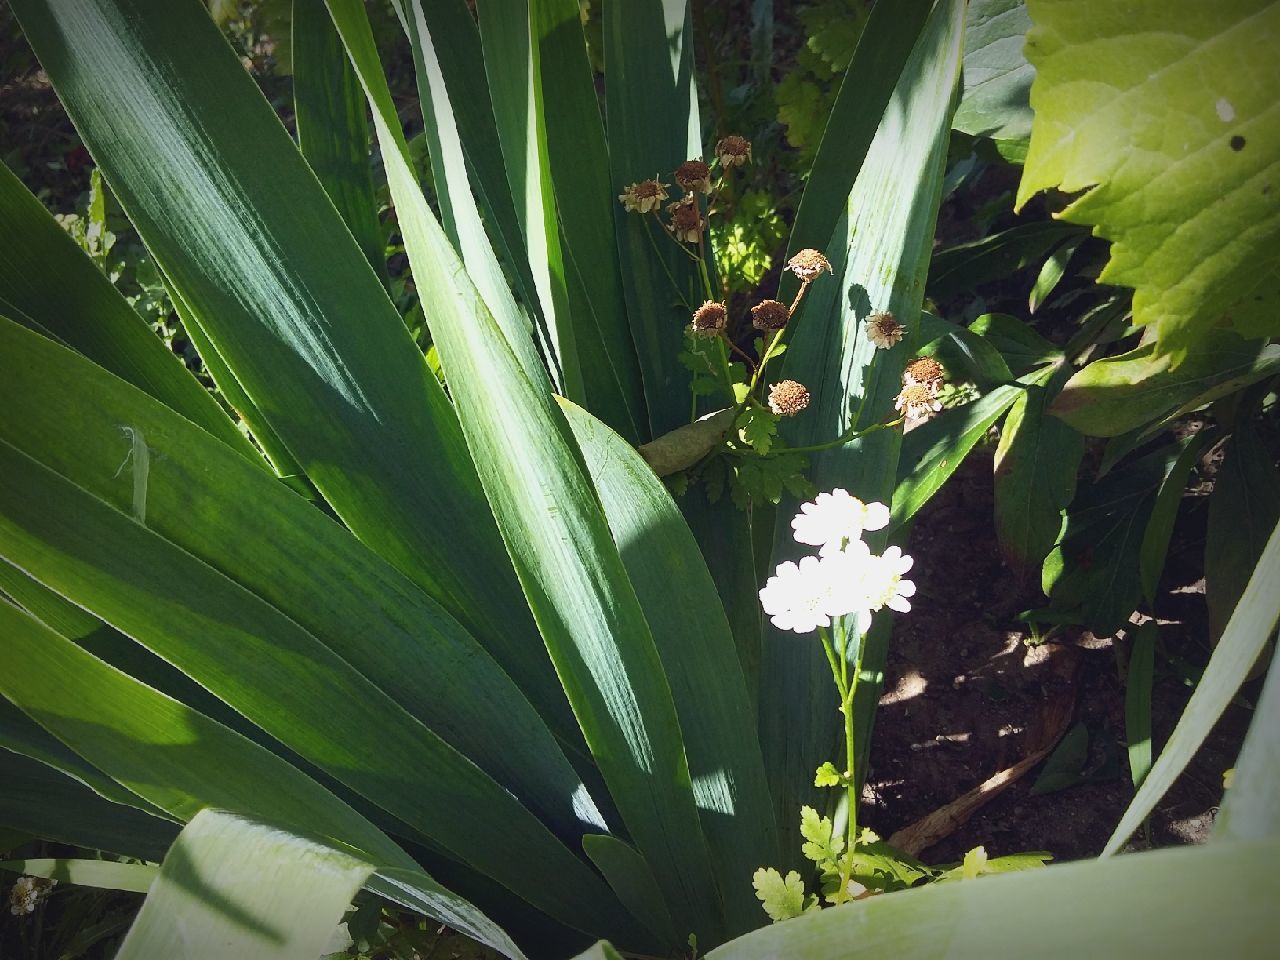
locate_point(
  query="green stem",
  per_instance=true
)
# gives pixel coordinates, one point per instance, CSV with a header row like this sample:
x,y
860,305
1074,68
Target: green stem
x,y
846,707
846,437
831,657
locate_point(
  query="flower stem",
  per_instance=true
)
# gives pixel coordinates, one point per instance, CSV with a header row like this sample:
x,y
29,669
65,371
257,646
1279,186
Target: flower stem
x,y
846,437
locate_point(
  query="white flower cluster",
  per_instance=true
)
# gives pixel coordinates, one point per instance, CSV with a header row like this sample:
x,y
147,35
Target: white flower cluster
x,y
26,894
845,577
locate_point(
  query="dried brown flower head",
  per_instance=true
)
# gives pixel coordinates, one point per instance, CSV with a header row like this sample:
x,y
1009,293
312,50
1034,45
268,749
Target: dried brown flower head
x,y
694,176
643,197
710,318
770,315
925,372
884,330
787,398
809,264
686,220
733,151
916,403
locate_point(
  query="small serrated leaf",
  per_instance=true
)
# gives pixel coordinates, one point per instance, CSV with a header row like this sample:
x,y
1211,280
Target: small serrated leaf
x,y
827,776
782,898
822,846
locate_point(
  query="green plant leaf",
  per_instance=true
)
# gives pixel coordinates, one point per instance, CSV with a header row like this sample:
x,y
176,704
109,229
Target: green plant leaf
x,y
634,883
103,874
1250,810
1116,394
1247,633
48,283
932,452
964,266
1021,347
231,887
285,296
557,538
333,128
1051,274
1137,700
884,46
1093,572
879,252
783,898
466,155
1194,223
586,199
191,762
1244,506
210,504
1155,541
1223,889
996,102
679,600
821,846
1065,766
653,128
1036,464
45,802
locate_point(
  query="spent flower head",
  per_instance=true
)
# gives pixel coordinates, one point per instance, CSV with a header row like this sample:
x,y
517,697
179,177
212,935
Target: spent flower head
x,y
834,520
643,197
809,264
884,330
26,894
770,315
710,318
787,398
733,151
917,403
925,372
694,176
686,220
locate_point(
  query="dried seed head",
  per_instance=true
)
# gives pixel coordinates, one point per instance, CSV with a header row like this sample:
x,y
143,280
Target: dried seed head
x,y
710,318
884,330
809,264
925,372
770,315
686,220
787,398
733,151
694,176
643,197
916,403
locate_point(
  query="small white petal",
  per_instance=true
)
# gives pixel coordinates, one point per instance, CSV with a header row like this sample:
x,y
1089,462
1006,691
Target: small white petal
x,y
899,603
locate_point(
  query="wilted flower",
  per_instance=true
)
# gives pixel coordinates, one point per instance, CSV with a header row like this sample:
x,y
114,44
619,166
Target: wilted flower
x,y
770,315
926,372
809,264
837,519
643,197
686,220
787,398
710,318
26,894
694,176
733,151
917,403
884,330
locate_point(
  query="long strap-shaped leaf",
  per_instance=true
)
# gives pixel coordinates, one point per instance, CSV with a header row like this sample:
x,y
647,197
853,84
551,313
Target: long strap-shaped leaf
x,y
44,802
653,128
183,762
205,501
1252,624
697,649
579,161
1225,896
285,681
333,126
246,235
881,254
231,887
556,534
46,278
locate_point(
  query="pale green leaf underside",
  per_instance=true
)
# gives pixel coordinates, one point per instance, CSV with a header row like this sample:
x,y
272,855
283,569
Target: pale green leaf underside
x,y
1166,114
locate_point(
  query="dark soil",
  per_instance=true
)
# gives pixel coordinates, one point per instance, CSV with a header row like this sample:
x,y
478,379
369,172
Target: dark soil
x,y
965,694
